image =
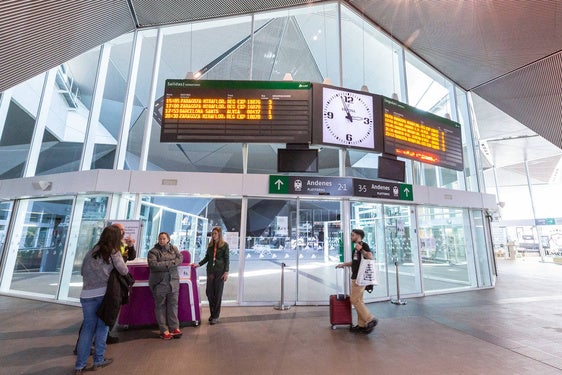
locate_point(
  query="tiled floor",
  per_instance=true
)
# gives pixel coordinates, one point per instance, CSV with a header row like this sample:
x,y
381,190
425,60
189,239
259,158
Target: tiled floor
x,y
515,328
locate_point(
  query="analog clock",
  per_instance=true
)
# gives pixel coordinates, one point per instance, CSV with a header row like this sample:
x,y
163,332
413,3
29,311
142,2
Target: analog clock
x,y
347,118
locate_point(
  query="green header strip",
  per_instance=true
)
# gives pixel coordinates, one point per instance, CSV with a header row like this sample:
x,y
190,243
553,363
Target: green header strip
x,y
219,84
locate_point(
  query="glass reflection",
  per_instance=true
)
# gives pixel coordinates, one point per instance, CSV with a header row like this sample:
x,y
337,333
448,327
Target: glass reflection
x,y
41,245
444,249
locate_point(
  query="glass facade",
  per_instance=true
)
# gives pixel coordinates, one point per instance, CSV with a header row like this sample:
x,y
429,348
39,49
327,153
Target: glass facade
x,y
102,111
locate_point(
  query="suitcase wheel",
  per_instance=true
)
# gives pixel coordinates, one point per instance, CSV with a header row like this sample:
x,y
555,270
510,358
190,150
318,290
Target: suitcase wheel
x,y
333,326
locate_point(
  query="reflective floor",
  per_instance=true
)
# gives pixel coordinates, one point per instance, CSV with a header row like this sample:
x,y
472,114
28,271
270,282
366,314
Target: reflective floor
x,y
515,328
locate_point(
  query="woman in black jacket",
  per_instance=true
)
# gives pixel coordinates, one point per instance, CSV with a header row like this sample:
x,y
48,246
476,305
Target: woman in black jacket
x,y
217,258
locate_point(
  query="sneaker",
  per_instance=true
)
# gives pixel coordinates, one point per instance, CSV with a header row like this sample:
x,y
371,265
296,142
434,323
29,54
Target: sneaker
x,y
79,370
356,328
106,362
166,336
371,325
176,333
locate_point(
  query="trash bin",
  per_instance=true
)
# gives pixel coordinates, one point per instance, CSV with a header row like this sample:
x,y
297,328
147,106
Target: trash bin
x,y
511,250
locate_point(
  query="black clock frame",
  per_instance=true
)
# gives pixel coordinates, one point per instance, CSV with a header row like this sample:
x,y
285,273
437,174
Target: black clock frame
x,y
318,117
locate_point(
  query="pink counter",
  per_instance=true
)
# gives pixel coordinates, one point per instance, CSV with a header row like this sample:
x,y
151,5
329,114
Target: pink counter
x,y
140,309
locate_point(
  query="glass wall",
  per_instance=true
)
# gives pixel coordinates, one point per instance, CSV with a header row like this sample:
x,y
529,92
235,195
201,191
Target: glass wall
x,y
303,235
369,58
430,91
189,222
138,113
370,218
108,126
75,116
18,112
67,119
472,174
446,248
318,231
39,244
5,214
401,249
87,223
481,248
272,237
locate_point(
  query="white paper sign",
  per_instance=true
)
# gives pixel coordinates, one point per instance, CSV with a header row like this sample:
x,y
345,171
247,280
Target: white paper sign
x,y
185,272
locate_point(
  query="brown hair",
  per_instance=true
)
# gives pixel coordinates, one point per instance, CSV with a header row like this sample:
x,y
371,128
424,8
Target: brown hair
x,y
109,242
166,233
221,239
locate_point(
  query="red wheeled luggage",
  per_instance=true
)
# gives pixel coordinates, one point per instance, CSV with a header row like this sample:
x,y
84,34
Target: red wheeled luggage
x,y
340,310
340,307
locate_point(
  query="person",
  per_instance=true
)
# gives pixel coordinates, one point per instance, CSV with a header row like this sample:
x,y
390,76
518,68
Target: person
x,y
96,267
164,282
127,244
217,259
366,322
128,252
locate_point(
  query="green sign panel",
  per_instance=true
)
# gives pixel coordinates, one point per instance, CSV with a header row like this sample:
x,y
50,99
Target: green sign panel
x,y
340,186
278,184
406,192
310,185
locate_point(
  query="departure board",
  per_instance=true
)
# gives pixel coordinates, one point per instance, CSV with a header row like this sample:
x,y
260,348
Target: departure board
x,y
418,135
236,111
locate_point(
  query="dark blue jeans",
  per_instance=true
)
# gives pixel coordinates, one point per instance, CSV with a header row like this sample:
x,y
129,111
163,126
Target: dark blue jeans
x,y
91,327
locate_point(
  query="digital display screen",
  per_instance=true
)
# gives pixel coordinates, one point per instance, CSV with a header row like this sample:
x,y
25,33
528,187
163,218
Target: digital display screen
x,y
295,160
418,135
391,169
236,111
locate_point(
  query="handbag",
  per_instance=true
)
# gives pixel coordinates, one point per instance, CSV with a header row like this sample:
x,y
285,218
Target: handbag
x,y
367,274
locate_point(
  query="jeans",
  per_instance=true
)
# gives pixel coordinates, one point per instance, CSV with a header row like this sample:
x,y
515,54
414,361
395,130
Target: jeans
x,y
92,326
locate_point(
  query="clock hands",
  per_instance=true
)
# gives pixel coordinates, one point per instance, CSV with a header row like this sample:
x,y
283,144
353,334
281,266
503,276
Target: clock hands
x,y
346,108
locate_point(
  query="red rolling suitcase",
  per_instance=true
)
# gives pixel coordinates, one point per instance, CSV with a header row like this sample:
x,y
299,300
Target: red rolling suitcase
x,y
340,309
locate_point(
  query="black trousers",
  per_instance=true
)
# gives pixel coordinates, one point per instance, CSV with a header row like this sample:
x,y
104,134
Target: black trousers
x,y
215,286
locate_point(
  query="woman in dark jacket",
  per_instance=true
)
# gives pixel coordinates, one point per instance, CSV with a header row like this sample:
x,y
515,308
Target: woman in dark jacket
x,y
164,282
96,267
217,258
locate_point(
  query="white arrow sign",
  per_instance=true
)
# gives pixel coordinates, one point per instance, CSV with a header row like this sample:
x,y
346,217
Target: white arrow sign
x,y
407,192
278,183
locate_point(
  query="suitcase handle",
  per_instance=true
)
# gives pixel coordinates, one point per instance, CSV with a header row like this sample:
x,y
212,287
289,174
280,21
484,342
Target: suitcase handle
x,y
338,290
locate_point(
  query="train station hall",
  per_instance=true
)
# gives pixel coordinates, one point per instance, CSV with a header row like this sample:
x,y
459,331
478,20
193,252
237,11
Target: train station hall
x,y
353,186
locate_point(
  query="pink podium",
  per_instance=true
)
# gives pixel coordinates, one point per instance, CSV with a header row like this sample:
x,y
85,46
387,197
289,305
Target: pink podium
x,y
140,309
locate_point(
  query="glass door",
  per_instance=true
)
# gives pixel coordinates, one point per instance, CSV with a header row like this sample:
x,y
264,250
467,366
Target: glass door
x,y
401,249
272,238
318,239
369,217
36,249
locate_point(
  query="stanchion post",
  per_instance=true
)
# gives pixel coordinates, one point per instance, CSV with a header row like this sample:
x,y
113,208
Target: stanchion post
x,y
397,301
281,305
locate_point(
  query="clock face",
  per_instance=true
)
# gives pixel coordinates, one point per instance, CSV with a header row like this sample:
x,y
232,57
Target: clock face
x,y
347,118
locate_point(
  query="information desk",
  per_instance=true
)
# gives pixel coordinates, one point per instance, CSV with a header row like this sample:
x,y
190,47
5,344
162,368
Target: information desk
x,y
140,309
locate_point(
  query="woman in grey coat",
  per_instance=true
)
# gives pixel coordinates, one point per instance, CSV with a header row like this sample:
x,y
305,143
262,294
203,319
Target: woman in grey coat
x,y
164,282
